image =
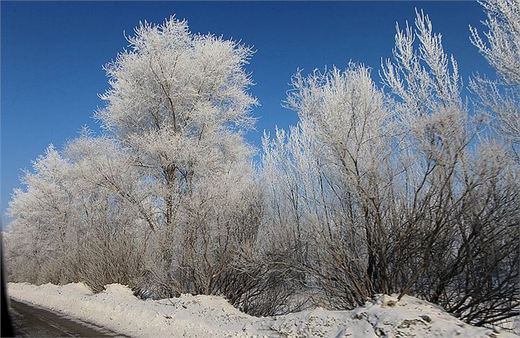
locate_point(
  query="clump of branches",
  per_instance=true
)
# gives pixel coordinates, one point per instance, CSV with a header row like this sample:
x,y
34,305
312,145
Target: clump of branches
x,y
399,191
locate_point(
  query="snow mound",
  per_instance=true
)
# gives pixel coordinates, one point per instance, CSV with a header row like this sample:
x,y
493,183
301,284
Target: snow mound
x,y
203,316
115,290
384,316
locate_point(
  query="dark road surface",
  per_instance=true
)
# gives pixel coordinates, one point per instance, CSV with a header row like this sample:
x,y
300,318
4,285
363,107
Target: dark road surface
x,y
31,321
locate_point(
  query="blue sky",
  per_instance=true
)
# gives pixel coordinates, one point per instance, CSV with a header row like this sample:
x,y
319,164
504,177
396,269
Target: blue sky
x,y
52,54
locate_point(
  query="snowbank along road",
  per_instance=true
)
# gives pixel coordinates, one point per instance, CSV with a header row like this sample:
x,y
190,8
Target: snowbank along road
x,y
117,309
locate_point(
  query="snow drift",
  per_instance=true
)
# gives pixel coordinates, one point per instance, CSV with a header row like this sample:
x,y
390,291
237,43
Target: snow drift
x,y
118,309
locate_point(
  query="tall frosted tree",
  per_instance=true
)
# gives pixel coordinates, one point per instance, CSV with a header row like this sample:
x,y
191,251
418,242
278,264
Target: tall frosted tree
x,y
178,103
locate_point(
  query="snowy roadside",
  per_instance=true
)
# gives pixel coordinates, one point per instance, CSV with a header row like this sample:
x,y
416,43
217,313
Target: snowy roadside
x,y
210,316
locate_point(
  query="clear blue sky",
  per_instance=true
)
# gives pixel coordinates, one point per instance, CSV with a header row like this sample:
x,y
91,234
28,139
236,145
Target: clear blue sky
x,y
52,53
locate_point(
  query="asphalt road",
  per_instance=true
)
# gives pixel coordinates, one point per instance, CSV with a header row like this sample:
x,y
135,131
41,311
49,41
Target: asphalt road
x,y
31,321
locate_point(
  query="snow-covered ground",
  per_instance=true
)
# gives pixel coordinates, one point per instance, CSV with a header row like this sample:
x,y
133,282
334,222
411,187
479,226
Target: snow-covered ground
x,y
209,316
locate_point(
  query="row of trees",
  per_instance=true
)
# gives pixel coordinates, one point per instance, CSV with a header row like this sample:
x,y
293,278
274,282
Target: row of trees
x,y
406,187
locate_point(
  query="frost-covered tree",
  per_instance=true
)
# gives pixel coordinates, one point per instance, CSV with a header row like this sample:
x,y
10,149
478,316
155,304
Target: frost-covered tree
x,y
178,101
324,179
502,48
67,226
440,190
178,104
110,235
500,45
41,215
434,133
